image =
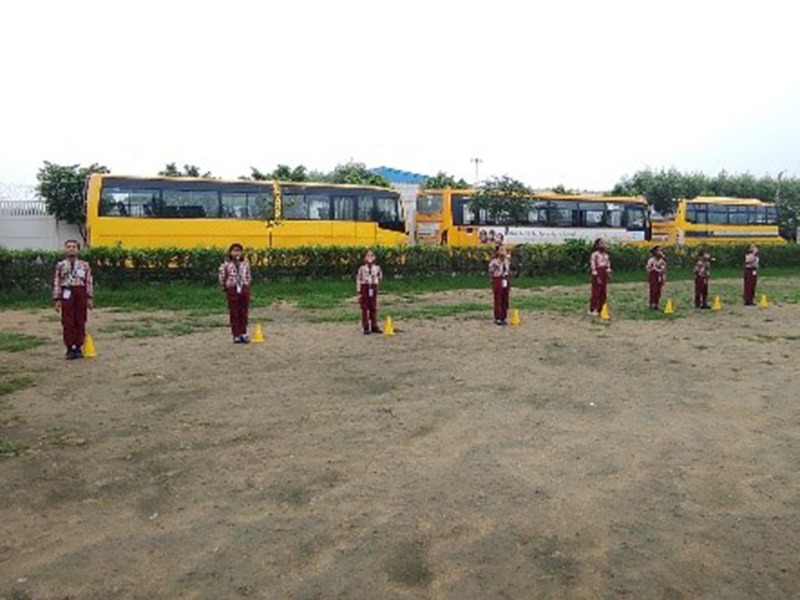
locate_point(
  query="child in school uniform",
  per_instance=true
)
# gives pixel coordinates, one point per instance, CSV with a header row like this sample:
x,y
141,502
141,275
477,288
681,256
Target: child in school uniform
x,y
656,275
235,280
702,273
73,295
368,279
600,263
500,277
750,274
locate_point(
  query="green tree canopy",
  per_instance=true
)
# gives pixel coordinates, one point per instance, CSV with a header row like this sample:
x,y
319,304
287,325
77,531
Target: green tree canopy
x,y
171,170
444,180
503,199
63,189
663,188
280,173
356,173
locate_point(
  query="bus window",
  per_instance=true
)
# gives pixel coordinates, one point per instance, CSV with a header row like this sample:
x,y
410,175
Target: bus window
x,y
738,215
635,217
118,202
615,215
365,210
593,214
387,210
314,207
772,215
344,208
430,204
717,215
537,212
245,205
189,204
563,214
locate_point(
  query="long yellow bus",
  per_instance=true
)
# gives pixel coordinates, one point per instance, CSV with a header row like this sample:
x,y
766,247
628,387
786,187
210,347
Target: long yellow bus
x,y
446,217
157,212
704,220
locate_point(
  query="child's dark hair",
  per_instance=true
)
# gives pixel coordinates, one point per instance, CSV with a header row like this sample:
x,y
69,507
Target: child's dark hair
x,y
654,249
76,242
235,245
596,245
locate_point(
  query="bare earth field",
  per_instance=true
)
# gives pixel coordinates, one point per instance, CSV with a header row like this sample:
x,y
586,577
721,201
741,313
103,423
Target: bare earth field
x,y
565,458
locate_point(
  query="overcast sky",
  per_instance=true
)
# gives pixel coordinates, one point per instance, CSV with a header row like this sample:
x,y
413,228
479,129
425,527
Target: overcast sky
x,y
572,92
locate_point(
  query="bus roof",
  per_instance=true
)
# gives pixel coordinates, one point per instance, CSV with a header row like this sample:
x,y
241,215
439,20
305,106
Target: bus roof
x,y
728,201
239,181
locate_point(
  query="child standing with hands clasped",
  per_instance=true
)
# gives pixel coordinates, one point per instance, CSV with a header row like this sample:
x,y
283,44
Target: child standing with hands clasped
x,y
73,295
600,264
500,276
368,279
235,280
656,275
702,273
750,274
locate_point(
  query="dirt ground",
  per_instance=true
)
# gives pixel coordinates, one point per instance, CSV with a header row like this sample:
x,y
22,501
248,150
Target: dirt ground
x,y
564,458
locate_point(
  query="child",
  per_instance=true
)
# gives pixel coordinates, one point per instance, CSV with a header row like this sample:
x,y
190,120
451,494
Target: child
x,y
750,274
73,294
656,275
368,279
235,280
702,272
600,263
500,276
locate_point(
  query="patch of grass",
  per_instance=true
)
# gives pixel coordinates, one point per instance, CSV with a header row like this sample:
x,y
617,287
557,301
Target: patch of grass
x,y
10,448
11,341
15,384
158,326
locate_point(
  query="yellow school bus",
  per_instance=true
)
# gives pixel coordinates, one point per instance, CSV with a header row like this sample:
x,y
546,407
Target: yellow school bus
x,y
717,219
445,217
158,212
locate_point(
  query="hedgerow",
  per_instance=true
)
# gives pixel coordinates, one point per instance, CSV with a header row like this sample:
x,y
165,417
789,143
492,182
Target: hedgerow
x,y
31,270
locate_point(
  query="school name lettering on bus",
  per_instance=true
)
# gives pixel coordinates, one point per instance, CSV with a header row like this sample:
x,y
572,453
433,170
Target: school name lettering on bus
x,y
532,235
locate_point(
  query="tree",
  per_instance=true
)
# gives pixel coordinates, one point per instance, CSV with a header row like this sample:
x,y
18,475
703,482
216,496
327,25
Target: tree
x,y
503,199
171,170
63,189
444,180
281,173
357,174
562,191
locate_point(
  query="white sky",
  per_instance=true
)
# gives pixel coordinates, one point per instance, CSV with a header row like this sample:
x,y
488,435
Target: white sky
x,y
574,92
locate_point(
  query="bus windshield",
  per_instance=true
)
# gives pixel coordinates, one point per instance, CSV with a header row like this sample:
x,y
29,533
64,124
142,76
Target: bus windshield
x,y
429,204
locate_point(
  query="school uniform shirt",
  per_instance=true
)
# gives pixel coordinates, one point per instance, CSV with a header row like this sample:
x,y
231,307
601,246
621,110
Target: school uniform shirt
x,y
751,262
499,268
702,268
599,260
369,275
233,275
659,265
72,274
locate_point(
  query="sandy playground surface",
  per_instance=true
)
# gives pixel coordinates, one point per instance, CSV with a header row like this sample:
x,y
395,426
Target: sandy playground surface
x,y
560,459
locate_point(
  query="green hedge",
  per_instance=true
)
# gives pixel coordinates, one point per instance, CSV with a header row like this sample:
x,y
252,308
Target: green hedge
x,y
32,270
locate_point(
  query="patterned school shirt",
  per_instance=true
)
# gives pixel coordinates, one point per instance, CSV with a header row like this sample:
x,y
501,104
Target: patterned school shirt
x,y
599,260
703,268
232,274
72,274
499,268
659,265
751,261
369,275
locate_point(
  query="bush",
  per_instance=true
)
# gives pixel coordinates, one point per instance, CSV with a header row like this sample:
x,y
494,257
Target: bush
x,y
31,271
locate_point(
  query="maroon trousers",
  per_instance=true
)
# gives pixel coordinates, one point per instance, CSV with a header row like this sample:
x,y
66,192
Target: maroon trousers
x,y
73,317
501,295
750,281
656,282
599,290
700,291
369,306
238,308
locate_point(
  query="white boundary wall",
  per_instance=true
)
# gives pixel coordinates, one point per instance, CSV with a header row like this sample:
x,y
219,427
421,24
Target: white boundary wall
x,y
26,224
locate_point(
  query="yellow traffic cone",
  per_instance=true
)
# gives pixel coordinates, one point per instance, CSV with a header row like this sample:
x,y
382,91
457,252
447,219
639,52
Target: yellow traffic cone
x,y
669,308
89,350
388,328
515,320
604,314
258,335
717,304
763,303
